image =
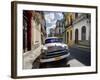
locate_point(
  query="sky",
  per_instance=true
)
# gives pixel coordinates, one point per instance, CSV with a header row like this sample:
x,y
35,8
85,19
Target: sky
x,y
51,18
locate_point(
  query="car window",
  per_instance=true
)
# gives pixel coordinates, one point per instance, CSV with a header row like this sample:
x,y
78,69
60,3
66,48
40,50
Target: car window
x,y
53,40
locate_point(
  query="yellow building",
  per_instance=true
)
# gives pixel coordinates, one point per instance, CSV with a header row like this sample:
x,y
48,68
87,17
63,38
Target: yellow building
x,y
69,17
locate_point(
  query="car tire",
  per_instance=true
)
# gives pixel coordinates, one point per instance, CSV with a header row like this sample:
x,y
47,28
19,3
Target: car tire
x,y
65,62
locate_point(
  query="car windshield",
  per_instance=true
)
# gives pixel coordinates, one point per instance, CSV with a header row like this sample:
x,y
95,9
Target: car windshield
x,y
53,40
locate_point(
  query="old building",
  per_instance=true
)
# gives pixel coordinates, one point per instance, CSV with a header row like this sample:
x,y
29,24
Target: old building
x,y
78,26
52,32
34,34
27,15
59,30
69,17
82,28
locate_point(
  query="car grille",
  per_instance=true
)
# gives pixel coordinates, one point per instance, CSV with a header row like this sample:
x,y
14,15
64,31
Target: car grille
x,y
54,48
56,53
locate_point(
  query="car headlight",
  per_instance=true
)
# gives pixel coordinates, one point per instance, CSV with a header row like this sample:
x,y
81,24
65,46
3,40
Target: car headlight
x,y
65,47
44,50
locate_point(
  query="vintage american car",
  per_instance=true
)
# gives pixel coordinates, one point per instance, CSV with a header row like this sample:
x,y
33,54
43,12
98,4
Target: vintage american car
x,y
54,50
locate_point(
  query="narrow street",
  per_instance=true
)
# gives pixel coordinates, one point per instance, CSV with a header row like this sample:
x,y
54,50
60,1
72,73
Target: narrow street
x,y
81,54
78,57
45,35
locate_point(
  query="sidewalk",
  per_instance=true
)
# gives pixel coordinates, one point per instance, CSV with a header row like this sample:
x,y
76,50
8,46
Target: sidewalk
x,y
75,63
29,57
82,46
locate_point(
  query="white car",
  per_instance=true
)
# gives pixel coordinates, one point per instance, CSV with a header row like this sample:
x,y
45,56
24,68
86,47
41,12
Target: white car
x,y
54,50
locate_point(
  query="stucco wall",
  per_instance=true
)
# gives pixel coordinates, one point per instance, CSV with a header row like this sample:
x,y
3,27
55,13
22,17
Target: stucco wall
x,y
79,26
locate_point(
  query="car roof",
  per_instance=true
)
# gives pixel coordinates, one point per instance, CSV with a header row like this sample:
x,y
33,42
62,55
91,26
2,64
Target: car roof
x,y
51,37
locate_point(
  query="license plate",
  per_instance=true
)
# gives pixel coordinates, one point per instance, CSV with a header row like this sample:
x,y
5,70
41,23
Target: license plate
x,y
57,58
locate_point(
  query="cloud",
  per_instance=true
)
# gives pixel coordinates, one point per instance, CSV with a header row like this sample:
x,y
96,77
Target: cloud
x,y
59,16
51,18
50,24
53,26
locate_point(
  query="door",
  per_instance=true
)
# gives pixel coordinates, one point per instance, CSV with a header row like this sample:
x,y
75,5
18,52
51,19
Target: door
x,y
76,36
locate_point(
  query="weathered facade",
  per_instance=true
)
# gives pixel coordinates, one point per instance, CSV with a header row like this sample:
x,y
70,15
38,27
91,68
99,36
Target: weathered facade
x,y
52,32
34,33
82,29
69,17
60,28
78,28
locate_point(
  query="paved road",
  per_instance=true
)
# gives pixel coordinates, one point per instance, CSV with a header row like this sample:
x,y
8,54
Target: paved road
x,y
79,57
83,55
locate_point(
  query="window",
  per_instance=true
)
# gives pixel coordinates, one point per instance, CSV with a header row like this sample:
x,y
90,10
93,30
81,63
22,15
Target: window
x,y
83,33
53,40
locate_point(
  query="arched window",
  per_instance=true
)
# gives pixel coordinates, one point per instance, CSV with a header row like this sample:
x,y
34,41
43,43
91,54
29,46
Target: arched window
x,y
83,33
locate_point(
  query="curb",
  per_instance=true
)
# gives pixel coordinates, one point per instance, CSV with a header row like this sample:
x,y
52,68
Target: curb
x,y
81,46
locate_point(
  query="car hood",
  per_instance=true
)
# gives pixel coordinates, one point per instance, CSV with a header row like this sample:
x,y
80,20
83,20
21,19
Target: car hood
x,y
55,44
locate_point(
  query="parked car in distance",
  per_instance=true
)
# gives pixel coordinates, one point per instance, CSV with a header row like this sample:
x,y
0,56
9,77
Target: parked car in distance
x,y
54,50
